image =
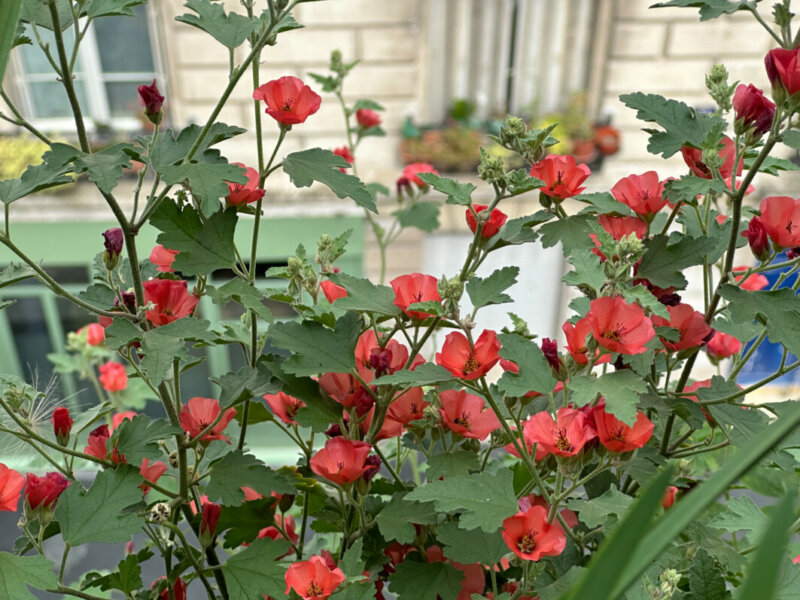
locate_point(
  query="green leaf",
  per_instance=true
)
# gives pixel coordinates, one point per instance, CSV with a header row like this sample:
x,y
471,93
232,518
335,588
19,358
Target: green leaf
x,y
588,270
255,571
34,179
318,349
363,295
425,374
452,464
705,578
689,187
682,124
110,8
237,469
483,292
519,231
483,499
572,233
206,181
519,181
8,31
170,150
245,294
603,203
792,139
203,246
121,332
597,511
396,520
644,298
665,259
534,374
37,12
365,103
244,384
779,308
128,576
423,215
138,438
692,505
425,581
316,164
159,352
741,514
471,546
19,572
245,521
762,578
352,565
96,515
14,273
457,193
230,30
710,9
621,389
104,168
359,590
771,164
607,564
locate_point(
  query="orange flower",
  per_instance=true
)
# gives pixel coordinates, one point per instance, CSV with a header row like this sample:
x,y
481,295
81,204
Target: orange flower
x,y
530,536
245,193
562,177
289,101
615,435
199,413
171,298
618,326
466,362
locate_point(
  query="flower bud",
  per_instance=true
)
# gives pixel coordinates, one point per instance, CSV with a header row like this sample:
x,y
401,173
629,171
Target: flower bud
x,y
718,88
62,425
112,240
754,113
208,522
757,237
152,100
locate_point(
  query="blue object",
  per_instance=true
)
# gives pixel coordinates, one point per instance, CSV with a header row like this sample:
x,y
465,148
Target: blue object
x,y
767,357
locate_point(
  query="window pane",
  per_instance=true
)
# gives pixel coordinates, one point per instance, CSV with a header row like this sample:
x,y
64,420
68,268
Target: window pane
x,y
123,97
124,44
26,319
33,58
50,100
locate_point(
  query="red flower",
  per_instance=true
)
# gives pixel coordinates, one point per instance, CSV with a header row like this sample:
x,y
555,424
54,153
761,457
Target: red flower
x,y
618,326
753,283
691,326
341,461
312,579
209,516
644,194
152,100
150,472
753,110
561,176
564,436
615,435
722,346
199,413
530,536
757,238
95,334
273,533
332,291
163,258
570,518
490,228
466,414
171,298
669,497
97,442
62,425
44,491
693,157
118,418
367,118
389,359
179,589
412,288
289,100
284,406
462,360
783,69
407,407
113,377
342,387
344,152
780,217
390,428
11,484
576,341
411,173
474,580
245,193
693,388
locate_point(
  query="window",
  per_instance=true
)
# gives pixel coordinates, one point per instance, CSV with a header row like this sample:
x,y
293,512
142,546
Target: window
x,y
114,58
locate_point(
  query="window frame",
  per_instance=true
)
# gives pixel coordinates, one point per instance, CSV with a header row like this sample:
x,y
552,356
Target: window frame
x,y
96,110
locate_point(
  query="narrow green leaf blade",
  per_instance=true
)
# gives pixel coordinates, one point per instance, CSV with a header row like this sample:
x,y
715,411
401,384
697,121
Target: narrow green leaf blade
x,y
8,30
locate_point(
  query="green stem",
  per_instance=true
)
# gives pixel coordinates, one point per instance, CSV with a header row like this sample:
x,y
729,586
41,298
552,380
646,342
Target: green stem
x,y
20,120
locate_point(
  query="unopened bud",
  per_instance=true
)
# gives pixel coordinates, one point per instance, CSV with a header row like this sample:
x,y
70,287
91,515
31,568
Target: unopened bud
x,y
492,169
112,240
718,88
173,459
512,130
